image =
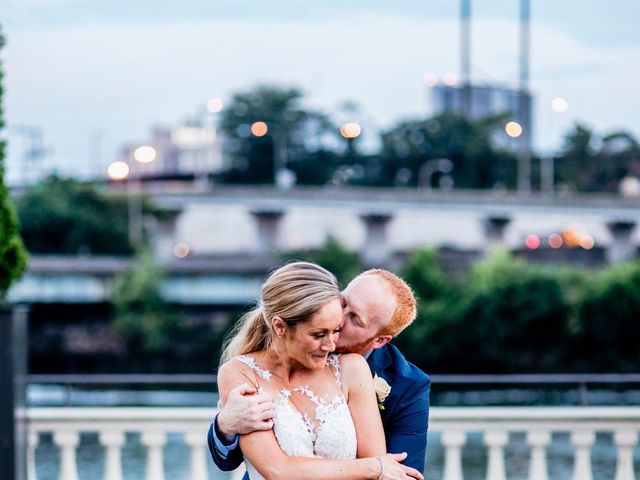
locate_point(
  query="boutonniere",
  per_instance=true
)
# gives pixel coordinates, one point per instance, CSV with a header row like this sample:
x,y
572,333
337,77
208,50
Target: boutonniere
x,y
382,388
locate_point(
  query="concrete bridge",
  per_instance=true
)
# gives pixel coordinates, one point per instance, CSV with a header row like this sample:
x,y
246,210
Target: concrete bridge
x,y
217,245
379,223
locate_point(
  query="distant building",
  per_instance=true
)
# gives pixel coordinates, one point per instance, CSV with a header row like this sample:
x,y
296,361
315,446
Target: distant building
x,y
478,101
189,149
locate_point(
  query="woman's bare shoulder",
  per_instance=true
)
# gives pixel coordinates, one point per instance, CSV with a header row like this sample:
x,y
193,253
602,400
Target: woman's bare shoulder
x,y
354,365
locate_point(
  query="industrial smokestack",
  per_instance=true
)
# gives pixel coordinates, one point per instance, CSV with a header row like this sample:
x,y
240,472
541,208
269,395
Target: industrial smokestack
x,y
465,41
524,44
524,104
465,56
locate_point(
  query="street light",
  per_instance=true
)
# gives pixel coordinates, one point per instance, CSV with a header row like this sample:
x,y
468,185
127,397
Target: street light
x,y
283,178
547,166
121,170
433,166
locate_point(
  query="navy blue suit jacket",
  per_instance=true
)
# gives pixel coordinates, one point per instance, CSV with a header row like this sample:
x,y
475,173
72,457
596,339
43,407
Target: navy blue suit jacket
x,y
404,417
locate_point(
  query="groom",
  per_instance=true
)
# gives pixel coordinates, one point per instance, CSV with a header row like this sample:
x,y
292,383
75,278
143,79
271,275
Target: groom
x,y
378,305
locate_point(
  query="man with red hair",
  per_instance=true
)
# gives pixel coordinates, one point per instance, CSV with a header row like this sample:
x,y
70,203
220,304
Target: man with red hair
x,y
377,306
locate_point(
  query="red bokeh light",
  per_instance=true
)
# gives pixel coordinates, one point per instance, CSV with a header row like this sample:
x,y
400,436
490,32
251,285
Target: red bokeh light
x,y
532,242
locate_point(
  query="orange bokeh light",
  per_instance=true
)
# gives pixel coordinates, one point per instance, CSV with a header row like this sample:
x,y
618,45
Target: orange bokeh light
x,y
259,129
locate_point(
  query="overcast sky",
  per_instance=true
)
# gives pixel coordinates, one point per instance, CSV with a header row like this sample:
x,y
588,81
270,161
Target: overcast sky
x,y
96,75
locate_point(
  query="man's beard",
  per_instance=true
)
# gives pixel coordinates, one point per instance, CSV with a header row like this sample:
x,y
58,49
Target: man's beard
x,y
360,347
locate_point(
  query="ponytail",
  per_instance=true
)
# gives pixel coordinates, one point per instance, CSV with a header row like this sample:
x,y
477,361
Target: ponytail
x,y
251,333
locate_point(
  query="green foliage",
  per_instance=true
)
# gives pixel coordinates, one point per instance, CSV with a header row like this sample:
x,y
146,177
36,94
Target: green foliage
x,y
66,216
13,257
436,296
592,163
296,130
143,317
467,143
506,316
610,321
334,257
514,316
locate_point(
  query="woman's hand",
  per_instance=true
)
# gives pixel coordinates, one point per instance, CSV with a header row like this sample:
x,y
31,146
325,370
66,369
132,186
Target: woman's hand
x,y
392,469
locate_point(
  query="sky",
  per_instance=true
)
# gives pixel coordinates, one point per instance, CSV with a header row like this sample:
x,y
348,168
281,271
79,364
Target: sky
x,y
97,75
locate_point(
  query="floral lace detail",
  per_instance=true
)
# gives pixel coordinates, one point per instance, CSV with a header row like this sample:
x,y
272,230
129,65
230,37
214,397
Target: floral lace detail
x,y
334,361
251,363
333,436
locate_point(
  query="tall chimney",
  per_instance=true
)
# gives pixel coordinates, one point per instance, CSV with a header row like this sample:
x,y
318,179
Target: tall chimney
x,y
465,56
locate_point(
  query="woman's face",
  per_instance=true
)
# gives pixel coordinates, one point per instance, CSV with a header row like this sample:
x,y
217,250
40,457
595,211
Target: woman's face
x,y
310,343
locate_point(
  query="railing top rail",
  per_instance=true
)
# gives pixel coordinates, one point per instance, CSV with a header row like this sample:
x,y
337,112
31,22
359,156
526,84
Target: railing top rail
x,y
536,378
436,414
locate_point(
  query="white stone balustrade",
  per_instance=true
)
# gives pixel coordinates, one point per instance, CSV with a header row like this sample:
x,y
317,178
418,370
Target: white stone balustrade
x,y
495,423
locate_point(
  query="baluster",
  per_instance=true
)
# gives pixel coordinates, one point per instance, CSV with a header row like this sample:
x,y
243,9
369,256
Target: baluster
x,y
154,441
67,441
538,440
496,441
582,441
113,441
197,442
625,441
32,440
453,442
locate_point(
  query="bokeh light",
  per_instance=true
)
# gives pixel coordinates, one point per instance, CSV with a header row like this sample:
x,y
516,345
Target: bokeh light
x,y
181,250
350,130
555,240
118,170
559,104
513,129
145,154
450,79
587,242
259,129
430,79
532,242
215,105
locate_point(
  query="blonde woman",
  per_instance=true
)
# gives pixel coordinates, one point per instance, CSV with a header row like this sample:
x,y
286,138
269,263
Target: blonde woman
x,y
326,423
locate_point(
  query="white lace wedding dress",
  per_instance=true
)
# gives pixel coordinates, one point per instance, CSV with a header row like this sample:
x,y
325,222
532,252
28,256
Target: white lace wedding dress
x,y
332,434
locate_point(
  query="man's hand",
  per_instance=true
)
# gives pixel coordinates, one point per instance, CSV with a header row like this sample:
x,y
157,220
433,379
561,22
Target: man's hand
x,y
246,411
392,469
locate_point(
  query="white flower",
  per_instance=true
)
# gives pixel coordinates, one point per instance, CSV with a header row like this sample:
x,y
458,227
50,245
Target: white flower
x,y
382,388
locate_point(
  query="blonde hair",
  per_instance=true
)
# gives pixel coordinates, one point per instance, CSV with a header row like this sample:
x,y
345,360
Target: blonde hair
x,y
293,292
406,310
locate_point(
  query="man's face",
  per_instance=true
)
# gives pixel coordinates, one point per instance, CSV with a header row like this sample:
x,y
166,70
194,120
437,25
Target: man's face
x,y
368,306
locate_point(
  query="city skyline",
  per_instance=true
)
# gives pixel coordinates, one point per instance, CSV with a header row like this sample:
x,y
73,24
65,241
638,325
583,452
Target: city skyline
x,y
98,77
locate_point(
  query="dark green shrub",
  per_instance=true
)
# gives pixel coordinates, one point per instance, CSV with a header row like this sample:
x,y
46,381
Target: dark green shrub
x,y
609,321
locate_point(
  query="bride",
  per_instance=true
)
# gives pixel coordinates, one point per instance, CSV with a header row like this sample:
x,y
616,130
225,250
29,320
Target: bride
x,y
326,420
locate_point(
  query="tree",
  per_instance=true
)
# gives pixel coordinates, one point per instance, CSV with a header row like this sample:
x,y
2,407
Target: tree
x,y
13,256
333,256
143,318
298,132
593,163
433,331
609,321
467,143
66,216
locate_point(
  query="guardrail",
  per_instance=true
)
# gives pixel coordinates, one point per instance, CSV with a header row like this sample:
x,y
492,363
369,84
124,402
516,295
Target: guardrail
x,y
453,424
582,381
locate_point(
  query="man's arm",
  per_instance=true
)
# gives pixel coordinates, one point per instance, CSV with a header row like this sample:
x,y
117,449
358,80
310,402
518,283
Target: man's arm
x,y
408,430
226,458
246,411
